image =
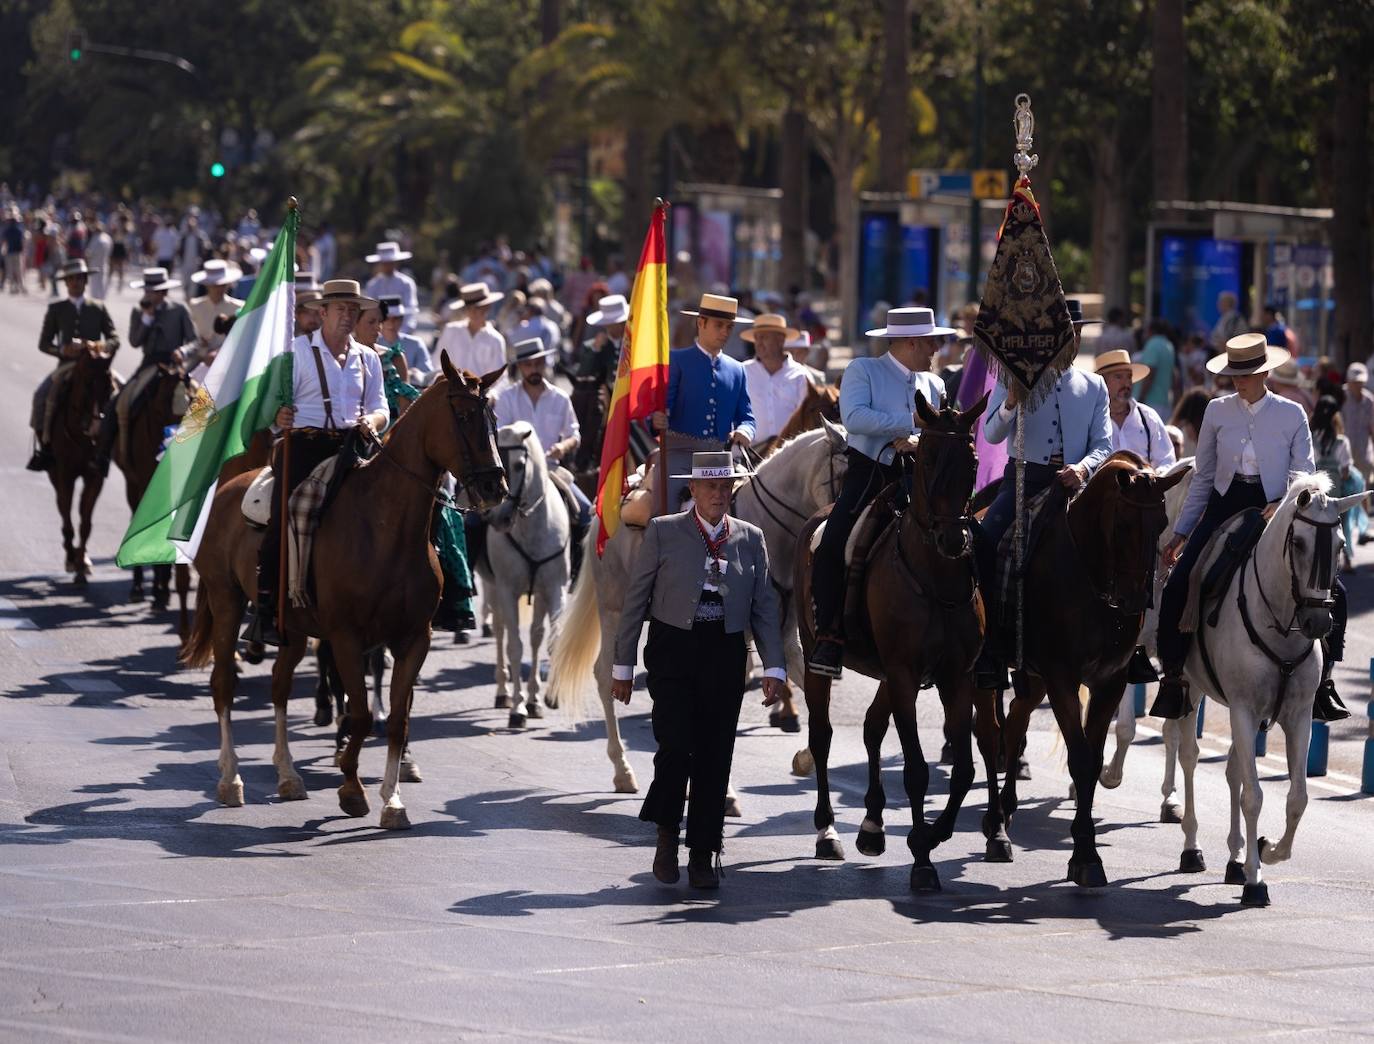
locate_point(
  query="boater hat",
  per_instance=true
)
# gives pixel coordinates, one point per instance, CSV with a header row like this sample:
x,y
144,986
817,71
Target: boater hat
x,y
1121,357
477,295
74,270
802,340
388,251
395,305
1246,354
531,348
609,311
764,323
345,290
154,279
717,464
911,322
217,273
716,306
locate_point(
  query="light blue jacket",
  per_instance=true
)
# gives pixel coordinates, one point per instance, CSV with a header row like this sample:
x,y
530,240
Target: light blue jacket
x,y
1078,402
877,400
1282,441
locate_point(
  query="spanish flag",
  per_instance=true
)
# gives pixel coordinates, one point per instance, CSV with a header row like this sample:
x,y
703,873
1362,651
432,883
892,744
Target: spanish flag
x,y
641,379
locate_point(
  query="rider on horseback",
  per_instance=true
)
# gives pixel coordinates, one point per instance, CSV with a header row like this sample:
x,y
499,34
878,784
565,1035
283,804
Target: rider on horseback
x,y
877,406
69,328
593,374
1249,444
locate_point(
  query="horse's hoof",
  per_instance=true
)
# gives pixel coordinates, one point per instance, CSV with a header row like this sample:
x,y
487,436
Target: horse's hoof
x,y
829,848
353,802
924,879
516,721
803,764
732,809
998,850
486,630
1255,895
461,638
410,772
533,709
1023,769
1266,852
394,819
947,753
1087,875
871,842
1235,873
291,789
230,795
1170,812
1109,779
136,594
1191,861
502,703
254,652
551,702
324,714
625,783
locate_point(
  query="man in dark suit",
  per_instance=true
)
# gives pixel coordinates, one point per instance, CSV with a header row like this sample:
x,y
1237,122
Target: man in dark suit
x,y
71,326
702,578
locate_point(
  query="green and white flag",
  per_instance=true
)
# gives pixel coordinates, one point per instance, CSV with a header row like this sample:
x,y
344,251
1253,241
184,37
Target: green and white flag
x,y
248,382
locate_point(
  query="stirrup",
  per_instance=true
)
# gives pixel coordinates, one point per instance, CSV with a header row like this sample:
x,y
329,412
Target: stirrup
x,y
1172,700
1327,705
261,630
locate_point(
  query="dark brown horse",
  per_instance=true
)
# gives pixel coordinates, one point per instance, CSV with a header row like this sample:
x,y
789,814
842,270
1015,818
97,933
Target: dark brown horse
x,y
377,581
1088,582
83,399
164,403
925,623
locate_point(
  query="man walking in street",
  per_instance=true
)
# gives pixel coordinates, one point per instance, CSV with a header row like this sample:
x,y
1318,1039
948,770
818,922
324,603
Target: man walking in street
x,y
388,281
777,385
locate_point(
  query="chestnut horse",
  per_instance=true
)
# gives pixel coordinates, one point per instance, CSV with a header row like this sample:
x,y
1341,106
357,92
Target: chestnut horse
x,y
820,401
926,622
84,397
1088,582
377,581
164,403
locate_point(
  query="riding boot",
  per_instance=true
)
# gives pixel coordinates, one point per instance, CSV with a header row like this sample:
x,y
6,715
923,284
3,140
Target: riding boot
x,y
1140,670
989,671
1172,700
665,856
827,659
1327,705
703,868
262,627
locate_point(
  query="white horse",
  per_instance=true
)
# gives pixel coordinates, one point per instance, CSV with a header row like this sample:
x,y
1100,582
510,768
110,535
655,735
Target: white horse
x,y
527,554
1266,655
798,479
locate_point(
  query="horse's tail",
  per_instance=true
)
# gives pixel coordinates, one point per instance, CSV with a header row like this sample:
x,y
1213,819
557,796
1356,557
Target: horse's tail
x,y
576,637
198,649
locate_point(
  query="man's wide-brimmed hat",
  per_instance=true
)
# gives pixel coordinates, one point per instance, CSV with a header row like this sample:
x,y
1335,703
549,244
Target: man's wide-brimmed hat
x,y
1246,354
718,306
802,340
1075,308
395,305
74,269
530,348
911,322
305,280
479,295
717,464
1121,357
765,323
305,298
610,311
1290,375
217,273
346,291
154,279
388,251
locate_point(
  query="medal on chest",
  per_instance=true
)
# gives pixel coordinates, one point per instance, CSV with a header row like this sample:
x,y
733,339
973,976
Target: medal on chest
x,y
715,574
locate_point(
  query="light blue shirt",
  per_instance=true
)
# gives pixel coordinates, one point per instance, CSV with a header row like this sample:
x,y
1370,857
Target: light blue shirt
x,y
1072,422
877,399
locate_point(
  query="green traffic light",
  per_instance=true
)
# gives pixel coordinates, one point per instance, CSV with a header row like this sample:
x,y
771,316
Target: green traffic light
x,y
75,54
216,170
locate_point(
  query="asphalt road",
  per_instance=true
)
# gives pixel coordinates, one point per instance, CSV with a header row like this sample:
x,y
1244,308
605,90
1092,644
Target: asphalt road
x,y
520,904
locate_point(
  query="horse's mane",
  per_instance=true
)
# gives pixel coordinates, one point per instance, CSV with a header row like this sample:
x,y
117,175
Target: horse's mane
x,y
1301,482
807,436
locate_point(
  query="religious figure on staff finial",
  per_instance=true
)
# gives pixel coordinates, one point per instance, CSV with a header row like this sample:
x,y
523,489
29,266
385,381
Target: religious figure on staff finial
x,y
1024,122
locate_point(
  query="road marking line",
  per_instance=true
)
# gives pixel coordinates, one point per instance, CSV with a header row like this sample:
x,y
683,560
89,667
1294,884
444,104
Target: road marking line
x,y
11,622
81,684
1270,761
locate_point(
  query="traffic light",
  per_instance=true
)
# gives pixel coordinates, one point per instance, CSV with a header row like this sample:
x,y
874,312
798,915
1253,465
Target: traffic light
x,y
76,45
217,169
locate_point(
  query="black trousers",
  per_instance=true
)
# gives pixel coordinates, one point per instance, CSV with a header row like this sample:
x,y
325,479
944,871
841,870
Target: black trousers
x,y
864,479
696,679
310,447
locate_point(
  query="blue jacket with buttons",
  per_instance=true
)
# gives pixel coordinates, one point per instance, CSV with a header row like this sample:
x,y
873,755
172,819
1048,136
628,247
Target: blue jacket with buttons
x,y
877,401
1078,402
707,398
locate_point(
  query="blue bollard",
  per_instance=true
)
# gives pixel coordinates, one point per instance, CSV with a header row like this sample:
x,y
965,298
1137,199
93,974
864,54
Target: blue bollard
x,y
1367,775
1261,743
1140,699
1320,748
1201,713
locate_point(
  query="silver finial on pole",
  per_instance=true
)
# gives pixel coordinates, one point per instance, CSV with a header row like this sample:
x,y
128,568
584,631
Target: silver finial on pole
x,y
1024,122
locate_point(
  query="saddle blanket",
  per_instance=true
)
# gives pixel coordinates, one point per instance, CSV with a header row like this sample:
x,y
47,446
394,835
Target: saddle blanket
x,y
860,524
1208,583
303,519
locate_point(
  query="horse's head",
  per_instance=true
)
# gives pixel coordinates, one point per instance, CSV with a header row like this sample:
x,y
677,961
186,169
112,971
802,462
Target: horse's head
x,y
523,458
1310,523
944,469
91,384
172,390
465,446
1117,522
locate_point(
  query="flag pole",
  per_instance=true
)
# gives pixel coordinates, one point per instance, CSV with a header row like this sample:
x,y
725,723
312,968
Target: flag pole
x,y
1024,161
284,486
659,201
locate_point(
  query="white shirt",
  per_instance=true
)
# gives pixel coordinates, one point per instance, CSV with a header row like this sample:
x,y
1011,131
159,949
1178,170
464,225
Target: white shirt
x,y
774,397
165,242
479,352
1143,432
355,388
551,416
398,284
1249,465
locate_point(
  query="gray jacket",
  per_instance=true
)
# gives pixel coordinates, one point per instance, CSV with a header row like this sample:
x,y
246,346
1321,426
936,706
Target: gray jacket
x,y
668,574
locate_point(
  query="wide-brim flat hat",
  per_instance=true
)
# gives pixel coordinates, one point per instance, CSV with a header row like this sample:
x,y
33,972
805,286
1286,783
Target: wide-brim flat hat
x,y
610,310
1075,308
766,323
395,305
718,306
388,251
154,279
479,295
217,273
305,280
717,464
802,340
305,298
1290,375
911,322
1121,357
77,269
530,348
1246,354
345,291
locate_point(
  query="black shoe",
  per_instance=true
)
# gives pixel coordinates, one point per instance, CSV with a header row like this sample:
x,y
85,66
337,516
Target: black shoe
x,y
262,628
702,869
827,659
665,857
1140,669
41,459
446,618
1328,705
1365,538
989,673
1172,701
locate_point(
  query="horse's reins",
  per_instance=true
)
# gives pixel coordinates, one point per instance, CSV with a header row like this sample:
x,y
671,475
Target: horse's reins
x,y
431,488
926,528
516,497
1108,594
764,494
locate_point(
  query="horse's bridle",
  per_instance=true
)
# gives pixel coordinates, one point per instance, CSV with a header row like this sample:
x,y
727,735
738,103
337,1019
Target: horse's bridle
x,y
1319,577
926,525
463,405
515,495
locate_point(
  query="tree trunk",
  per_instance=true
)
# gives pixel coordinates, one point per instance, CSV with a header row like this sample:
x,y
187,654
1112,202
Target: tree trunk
x,y
844,167
794,191
1111,248
1350,223
893,123
638,199
1169,103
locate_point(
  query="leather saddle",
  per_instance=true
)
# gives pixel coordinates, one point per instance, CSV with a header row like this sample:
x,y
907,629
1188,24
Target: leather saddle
x,y
1226,552
356,450
861,548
